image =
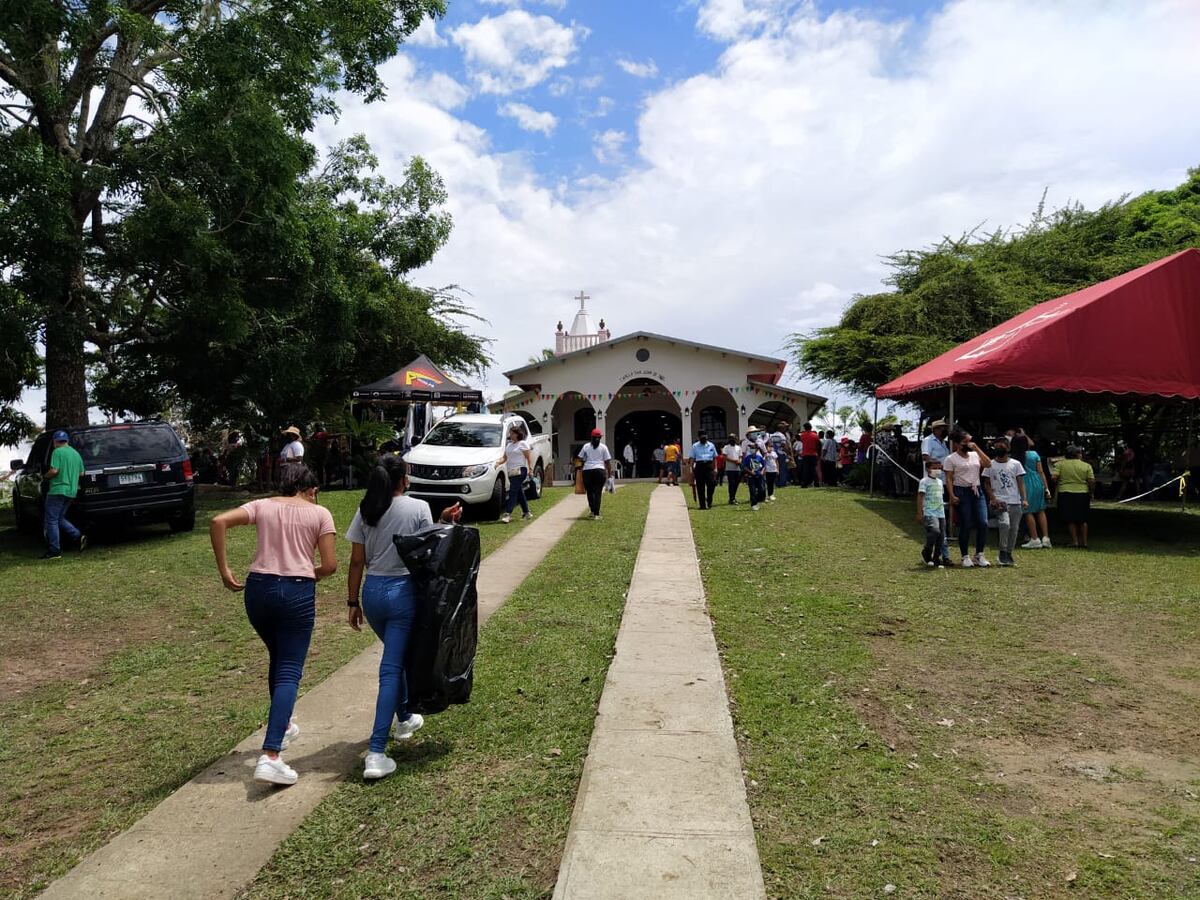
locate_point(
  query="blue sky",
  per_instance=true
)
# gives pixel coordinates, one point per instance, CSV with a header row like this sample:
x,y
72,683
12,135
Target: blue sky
x,y
594,93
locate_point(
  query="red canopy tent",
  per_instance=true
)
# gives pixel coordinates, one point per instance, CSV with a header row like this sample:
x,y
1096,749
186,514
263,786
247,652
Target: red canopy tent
x,y
1136,334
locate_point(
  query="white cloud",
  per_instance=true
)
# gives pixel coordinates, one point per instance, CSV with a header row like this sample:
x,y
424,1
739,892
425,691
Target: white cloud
x,y
554,4
529,118
426,35
516,50
647,69
766,190
730,19
607,146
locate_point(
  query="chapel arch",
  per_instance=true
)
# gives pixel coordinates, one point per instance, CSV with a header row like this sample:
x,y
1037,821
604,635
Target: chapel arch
x,y
713,410
645,412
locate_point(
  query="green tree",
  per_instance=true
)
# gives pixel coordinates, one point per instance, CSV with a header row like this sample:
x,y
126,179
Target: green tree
x,y
162,219
545,355
948,293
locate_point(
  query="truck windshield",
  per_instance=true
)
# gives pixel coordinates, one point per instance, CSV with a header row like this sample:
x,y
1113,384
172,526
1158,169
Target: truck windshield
x,y
106,447
464,434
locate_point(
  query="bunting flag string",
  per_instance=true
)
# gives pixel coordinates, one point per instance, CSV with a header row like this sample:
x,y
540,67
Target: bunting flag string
x,y
643,394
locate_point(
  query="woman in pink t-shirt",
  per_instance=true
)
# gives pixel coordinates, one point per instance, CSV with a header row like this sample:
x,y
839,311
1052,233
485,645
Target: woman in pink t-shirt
x,y
281,592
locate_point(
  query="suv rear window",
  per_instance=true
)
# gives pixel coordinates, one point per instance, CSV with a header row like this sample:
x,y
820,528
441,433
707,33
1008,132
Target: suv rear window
x,y
113,446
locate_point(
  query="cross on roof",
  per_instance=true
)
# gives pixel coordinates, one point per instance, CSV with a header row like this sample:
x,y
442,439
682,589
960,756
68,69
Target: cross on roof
x,y
583,298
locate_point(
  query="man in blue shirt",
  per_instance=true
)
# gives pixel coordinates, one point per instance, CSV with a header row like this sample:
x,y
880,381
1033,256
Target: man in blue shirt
x,y
703,454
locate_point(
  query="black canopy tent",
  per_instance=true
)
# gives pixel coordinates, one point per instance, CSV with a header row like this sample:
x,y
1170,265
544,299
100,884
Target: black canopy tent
x,y
418,386
420,381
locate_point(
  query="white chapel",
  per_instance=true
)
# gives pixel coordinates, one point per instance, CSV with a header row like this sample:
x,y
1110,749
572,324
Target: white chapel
x,y
645,388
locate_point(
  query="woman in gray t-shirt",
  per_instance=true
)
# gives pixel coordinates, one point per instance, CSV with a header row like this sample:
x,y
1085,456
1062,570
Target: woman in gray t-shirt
x,y
388,602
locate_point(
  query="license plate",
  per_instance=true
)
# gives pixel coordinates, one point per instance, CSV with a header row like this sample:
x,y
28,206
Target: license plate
x,y
135,478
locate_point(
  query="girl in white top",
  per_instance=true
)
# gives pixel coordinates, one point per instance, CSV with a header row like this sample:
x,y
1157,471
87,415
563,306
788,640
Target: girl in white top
x,y
518,464
771,470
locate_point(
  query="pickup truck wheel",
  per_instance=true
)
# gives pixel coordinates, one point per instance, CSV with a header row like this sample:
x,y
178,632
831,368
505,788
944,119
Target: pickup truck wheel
x,y
495,504
533,488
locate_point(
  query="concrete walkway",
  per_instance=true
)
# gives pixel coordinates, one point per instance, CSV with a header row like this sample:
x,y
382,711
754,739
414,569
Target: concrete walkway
x,y
210,837
661,811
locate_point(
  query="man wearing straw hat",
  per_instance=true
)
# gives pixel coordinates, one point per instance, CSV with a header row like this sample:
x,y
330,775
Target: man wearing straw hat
x,y
293,450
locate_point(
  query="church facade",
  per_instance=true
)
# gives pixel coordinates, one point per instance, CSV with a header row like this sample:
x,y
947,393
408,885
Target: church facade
x,y
645,388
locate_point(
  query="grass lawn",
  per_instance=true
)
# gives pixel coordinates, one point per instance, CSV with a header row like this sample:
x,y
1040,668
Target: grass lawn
x,y
961,733
482,799
126,670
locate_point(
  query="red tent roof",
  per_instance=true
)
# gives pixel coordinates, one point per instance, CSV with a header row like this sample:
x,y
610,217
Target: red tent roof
x,y
1138,333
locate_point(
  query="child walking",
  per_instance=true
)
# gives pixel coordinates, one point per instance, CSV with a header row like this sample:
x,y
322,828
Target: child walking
x,y
752,468
931,512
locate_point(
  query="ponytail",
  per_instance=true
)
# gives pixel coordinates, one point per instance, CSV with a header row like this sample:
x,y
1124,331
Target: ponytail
x,y
385,479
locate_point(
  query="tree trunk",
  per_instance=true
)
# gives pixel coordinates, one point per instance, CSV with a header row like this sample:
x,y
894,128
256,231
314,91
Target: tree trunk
x,y
66,370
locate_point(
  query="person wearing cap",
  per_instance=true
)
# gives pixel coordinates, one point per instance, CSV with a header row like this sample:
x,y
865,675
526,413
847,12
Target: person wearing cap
x,y
293,450
66,467
597,467
935,449
703,454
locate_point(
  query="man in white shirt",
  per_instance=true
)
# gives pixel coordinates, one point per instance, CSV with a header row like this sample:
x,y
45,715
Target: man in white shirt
x,y
630,456
597,467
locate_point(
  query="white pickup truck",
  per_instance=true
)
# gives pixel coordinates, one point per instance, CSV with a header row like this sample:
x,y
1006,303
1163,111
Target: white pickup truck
x,y
458,460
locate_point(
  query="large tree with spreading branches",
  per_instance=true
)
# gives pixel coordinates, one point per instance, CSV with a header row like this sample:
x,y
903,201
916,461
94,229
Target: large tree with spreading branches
x,y
168,234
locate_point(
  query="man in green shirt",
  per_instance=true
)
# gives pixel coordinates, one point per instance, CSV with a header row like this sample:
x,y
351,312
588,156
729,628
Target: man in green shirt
x,y
66,467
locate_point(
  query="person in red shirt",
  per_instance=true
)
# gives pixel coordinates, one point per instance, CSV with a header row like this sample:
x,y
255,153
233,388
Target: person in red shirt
x,y
810,455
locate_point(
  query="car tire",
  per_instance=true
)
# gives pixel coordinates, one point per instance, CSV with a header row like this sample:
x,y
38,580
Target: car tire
x,y
25,523
495,503
534,489
185,521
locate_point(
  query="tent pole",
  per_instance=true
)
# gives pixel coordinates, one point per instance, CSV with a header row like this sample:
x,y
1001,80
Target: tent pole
x,y
950,518
871,449
1187,450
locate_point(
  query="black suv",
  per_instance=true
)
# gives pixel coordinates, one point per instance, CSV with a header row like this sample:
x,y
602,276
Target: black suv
x,y
133,473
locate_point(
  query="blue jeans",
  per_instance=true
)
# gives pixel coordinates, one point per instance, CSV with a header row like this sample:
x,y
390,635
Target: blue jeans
x,y
390,606
782,480
282,609
516,492
758,491
972,515
55,517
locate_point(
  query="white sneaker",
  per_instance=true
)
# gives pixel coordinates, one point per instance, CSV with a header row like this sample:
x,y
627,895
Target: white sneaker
x,y
274,771
293,732
527,516
981,561
506,518
755,507
377,765
968,563
929,563
409,727
1045,543
1033,544
772,498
